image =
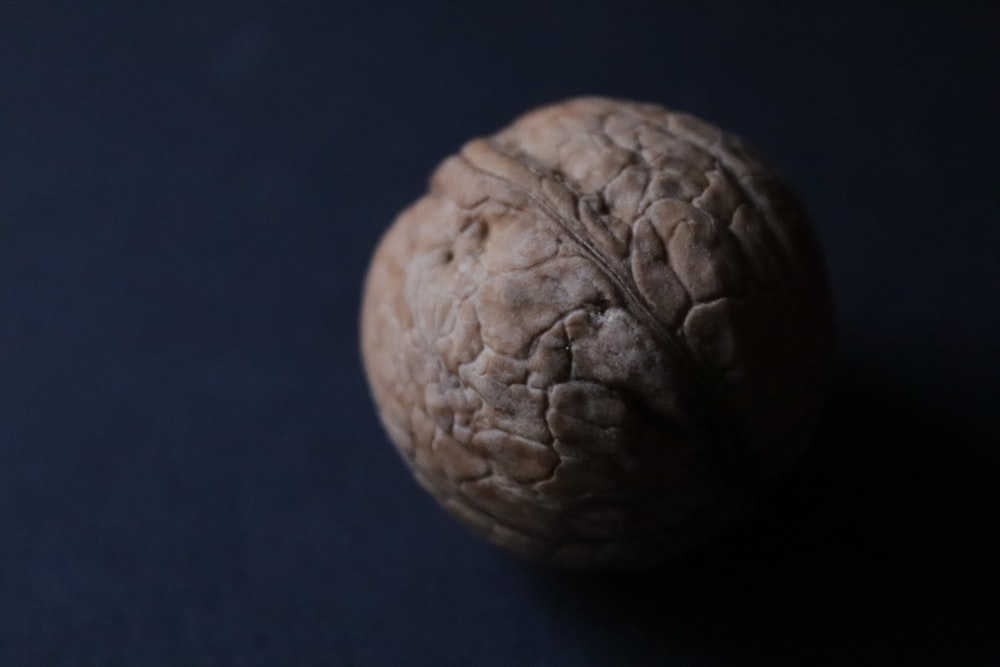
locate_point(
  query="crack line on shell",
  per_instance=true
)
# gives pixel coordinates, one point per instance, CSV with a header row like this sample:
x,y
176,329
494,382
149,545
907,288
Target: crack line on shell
x,y
608,267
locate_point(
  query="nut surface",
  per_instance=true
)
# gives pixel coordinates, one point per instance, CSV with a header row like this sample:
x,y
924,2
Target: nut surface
x,y
599,333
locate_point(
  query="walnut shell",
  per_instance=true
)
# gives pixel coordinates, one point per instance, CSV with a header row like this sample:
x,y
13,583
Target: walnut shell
x,y
599,334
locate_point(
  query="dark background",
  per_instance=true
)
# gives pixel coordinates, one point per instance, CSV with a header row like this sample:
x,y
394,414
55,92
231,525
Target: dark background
x,y
191,472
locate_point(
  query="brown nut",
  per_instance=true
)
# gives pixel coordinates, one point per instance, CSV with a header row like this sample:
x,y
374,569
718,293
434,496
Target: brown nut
x,y
599,334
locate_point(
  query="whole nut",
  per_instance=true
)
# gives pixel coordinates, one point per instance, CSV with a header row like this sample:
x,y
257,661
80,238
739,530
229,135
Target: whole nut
x,y
603,330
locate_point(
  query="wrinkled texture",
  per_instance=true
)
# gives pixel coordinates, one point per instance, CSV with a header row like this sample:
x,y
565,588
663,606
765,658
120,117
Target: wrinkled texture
x,y
603,329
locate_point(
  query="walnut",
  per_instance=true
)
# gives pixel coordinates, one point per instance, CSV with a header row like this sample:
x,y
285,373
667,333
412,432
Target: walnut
x,y
600,334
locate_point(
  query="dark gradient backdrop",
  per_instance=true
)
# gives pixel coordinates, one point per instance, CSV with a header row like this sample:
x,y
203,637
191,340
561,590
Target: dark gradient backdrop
x,y
191,472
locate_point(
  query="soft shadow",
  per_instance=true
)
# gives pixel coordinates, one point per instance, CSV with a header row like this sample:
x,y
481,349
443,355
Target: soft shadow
x,y
883,548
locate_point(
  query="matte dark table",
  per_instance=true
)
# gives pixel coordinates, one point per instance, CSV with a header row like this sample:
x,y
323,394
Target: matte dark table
x,y
191,472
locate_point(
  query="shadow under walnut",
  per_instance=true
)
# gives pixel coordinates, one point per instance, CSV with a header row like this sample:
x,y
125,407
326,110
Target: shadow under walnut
x,y
600,333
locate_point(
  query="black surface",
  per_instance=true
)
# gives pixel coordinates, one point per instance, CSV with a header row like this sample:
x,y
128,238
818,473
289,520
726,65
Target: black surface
x,y
191,472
